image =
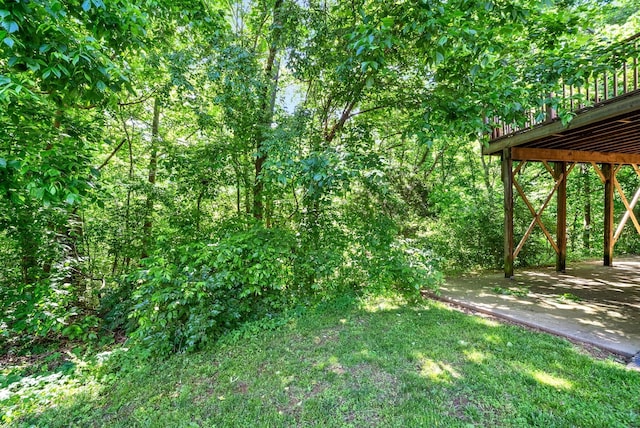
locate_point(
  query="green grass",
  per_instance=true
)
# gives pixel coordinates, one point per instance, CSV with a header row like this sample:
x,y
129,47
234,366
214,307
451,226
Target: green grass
x,y
380,363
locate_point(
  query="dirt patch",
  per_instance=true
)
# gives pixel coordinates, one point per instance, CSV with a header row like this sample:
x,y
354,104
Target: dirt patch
x,y
386,384
297,396
458,406
327,336
241,388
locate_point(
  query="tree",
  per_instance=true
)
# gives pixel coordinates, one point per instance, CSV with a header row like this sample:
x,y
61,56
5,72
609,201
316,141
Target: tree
x,y
263,153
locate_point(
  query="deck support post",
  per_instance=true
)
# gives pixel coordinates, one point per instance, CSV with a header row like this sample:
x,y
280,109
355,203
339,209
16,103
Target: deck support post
x,y
560,170
609,185
507,180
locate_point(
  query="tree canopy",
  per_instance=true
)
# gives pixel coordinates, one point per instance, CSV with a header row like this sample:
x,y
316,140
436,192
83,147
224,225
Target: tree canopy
x,y
172,169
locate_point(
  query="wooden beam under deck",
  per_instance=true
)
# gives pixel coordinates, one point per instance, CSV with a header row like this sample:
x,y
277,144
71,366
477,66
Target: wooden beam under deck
x,y
608,172
560,173
555,155
605,135
507,181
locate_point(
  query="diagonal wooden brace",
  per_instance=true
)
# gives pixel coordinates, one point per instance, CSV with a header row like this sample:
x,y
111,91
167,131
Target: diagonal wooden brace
x,y
629,208
537,214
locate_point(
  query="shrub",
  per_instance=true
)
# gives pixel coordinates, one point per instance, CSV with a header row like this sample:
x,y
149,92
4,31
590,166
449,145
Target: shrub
x,y
203,289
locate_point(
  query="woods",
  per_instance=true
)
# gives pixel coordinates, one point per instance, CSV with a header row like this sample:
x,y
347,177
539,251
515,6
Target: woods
x,y
172,170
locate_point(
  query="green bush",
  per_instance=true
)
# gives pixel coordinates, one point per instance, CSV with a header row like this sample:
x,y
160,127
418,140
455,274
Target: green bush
x,y
46,309
189,295
203,289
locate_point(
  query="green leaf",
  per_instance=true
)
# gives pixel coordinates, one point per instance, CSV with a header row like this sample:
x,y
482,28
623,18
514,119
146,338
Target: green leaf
x,y
439,57
101,85
33,66
369,82
11,27
71,198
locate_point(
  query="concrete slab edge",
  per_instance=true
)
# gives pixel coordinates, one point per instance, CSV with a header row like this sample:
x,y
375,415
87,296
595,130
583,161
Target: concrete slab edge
x,y
515,320
634,364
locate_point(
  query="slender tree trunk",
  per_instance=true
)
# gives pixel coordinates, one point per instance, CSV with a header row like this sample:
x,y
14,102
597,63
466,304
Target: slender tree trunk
x,y
151,179
127,217
271,71
114,266
586,234
238,195
486,175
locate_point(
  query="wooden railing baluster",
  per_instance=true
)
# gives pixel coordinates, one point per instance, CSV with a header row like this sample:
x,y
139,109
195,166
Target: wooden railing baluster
x,y
624,77
586,83
615,83
618,76
571,97
635,68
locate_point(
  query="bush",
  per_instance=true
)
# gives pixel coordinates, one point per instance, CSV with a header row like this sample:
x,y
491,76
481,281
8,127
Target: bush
x,y
203,289
46,309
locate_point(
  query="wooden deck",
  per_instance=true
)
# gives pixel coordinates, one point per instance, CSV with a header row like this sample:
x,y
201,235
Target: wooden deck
x,y
607,133
606,110
604,131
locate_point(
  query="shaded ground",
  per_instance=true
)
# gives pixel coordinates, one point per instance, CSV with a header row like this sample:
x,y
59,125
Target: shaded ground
x,y
590,303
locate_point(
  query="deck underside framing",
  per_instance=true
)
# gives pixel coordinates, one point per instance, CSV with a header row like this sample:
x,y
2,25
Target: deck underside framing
x,y
606,137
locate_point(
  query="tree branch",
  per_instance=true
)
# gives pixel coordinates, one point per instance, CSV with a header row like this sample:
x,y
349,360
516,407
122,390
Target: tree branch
x,y
368,110
140,100
124,140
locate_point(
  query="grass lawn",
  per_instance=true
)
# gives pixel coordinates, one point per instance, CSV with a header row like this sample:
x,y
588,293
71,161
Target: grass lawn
x,y
379,363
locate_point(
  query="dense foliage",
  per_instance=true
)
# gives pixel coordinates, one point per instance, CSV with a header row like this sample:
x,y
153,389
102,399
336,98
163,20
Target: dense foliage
x,y
174,169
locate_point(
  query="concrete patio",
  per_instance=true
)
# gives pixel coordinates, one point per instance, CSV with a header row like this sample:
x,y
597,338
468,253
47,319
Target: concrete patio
x,y
589,303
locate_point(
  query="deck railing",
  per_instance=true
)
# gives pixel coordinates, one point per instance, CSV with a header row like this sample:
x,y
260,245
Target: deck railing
x,y
612,74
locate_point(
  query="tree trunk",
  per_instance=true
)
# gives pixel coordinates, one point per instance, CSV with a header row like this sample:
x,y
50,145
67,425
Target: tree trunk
x,y
486,175
586,234
151,179
271,71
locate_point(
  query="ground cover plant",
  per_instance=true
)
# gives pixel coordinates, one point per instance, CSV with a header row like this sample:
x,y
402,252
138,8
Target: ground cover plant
x,y
375,362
